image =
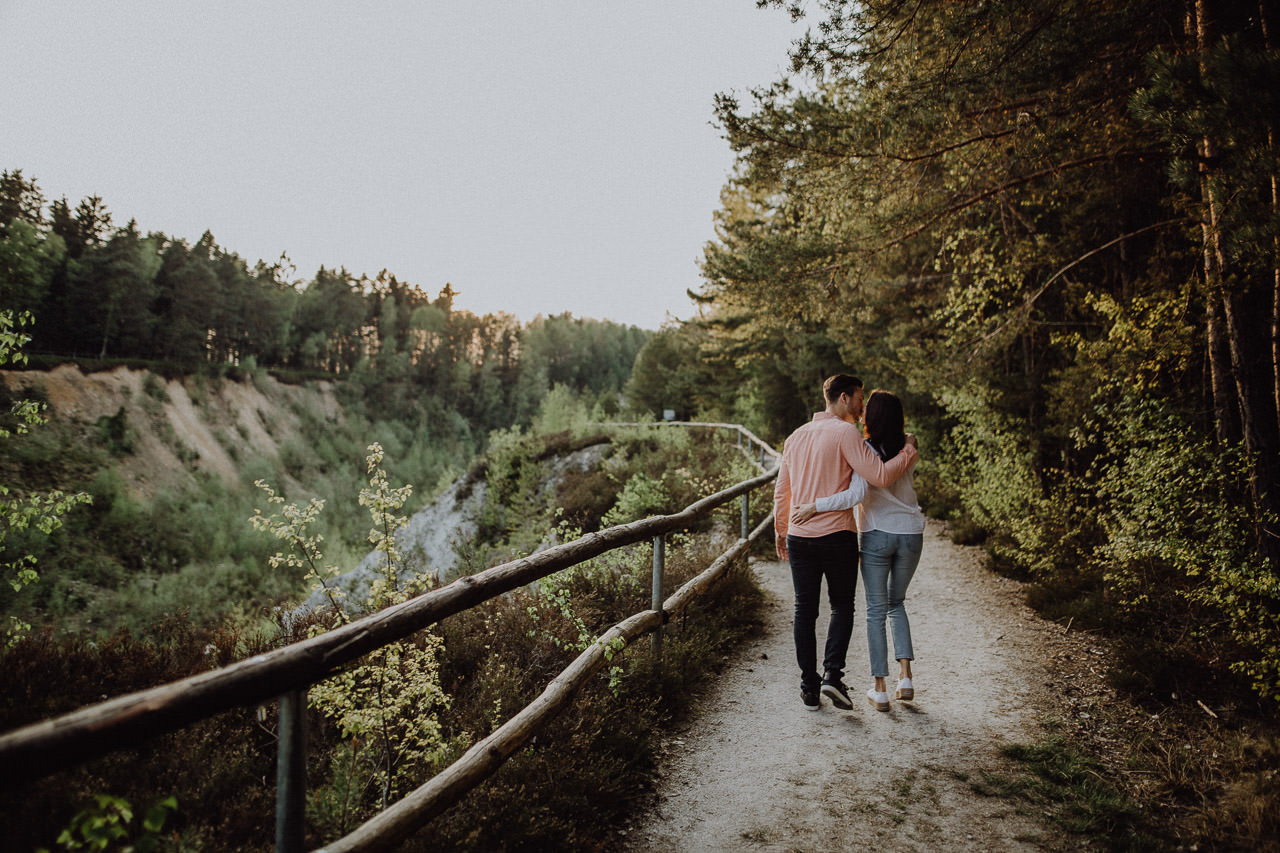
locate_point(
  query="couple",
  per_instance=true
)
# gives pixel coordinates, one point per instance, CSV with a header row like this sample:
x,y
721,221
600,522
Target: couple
x,y
828,467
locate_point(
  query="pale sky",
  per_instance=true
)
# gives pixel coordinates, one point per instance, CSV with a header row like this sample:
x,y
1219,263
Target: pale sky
x,y
542,157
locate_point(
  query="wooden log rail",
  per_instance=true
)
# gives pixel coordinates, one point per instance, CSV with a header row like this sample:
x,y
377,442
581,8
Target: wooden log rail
x,y
389,828
765,451
43,748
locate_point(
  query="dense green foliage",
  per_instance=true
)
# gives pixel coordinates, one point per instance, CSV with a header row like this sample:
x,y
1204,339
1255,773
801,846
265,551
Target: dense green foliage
x,y
567,789
1054,229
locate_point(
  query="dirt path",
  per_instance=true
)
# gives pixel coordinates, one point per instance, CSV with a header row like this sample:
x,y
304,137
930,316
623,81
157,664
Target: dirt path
x,y
753,770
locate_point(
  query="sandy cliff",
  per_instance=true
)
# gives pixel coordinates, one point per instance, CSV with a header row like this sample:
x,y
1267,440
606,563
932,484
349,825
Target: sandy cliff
x,y
180,427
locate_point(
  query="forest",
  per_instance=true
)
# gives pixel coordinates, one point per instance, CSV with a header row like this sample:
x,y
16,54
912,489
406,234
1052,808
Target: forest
x,y
1053,228
103,292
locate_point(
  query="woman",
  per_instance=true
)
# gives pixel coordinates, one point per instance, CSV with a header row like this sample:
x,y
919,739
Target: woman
x,y
891,537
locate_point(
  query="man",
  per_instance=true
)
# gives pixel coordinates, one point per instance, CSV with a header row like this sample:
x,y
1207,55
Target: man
x,y
819,459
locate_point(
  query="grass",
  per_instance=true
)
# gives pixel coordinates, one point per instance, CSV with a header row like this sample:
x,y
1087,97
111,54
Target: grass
x,y
1214,782
1072,790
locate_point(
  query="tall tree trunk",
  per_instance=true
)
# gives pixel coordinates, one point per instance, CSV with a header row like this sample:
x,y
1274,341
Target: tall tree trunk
x,y
1226,411
1249,333
1225,405
1264,13
1265,23
1275,276
1249,327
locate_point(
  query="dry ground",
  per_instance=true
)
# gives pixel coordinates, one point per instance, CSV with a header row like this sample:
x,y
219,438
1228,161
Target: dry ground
x,y
752,769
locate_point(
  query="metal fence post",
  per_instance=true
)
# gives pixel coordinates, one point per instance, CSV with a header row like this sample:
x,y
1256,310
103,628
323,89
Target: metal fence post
x,y
291,773
659,560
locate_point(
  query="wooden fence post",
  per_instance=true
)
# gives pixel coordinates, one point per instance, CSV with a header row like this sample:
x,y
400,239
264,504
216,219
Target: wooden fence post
x,y
744,530
659,560
291,773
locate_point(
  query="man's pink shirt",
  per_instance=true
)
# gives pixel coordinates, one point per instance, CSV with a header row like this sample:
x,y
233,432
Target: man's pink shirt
x,y
818,460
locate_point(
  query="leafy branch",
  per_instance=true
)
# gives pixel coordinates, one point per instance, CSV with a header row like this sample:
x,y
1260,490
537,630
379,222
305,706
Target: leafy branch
x,y
42,511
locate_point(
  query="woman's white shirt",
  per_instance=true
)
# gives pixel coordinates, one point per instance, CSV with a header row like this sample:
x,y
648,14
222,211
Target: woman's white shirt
x,y
847,499
894,509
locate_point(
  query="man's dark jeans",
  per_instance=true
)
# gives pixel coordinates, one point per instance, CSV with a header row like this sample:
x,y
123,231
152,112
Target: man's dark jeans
x,y
835,557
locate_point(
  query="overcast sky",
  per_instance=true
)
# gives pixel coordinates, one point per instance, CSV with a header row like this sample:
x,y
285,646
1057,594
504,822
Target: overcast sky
x,y
542,157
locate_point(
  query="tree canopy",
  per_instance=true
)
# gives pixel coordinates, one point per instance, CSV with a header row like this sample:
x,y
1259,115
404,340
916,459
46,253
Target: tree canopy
x,y
1054,228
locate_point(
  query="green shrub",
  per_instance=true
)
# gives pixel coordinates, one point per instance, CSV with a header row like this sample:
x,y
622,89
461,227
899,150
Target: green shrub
x,y
1171,506
584,497
154,388
641,497
990,462
259,468
107,825
221,770
562,410
115,433
296,457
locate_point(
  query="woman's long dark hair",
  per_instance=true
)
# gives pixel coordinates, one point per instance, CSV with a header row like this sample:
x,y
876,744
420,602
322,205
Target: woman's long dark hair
x,y
886,424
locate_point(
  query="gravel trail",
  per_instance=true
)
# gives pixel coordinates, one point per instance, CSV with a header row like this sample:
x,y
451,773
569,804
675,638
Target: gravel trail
x,y
751,769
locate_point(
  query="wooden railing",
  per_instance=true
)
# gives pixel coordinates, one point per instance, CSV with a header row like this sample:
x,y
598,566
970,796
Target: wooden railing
x,y
284,674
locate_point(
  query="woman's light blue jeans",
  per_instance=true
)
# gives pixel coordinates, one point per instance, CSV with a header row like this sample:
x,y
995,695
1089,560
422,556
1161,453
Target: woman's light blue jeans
x,y
888,562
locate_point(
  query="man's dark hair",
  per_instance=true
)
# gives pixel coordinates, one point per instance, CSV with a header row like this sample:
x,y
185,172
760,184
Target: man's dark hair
x,y
841,383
